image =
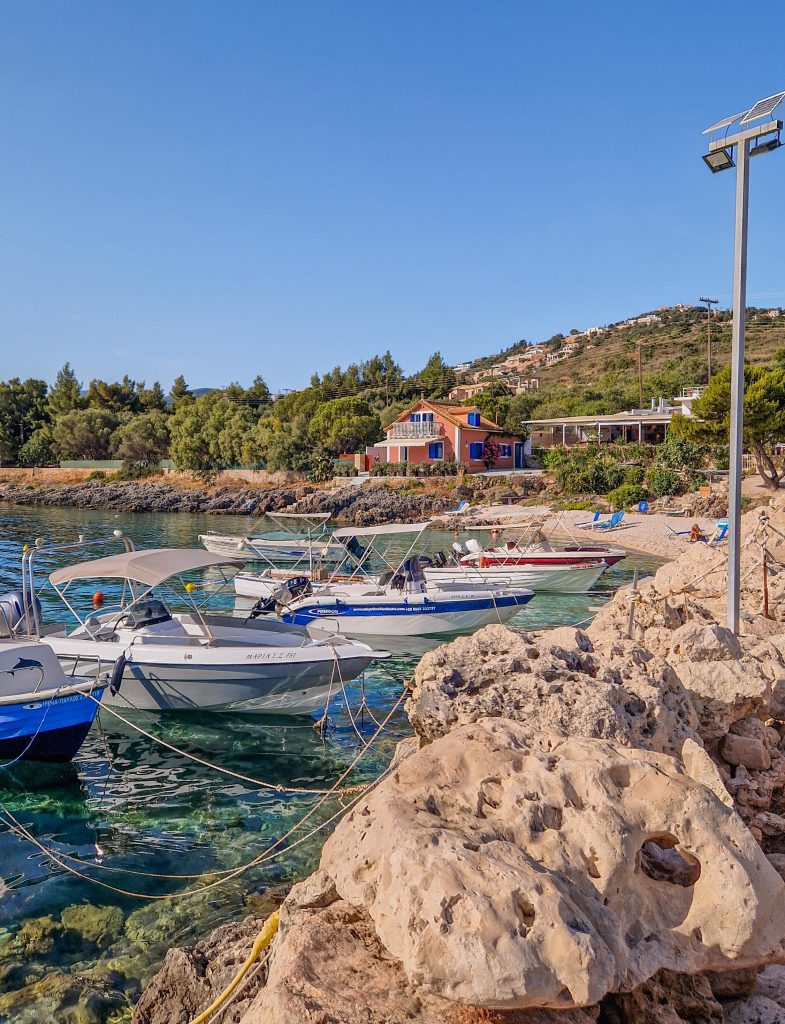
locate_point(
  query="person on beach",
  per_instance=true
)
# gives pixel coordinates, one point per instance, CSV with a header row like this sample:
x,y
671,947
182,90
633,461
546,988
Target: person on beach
x,y
696,534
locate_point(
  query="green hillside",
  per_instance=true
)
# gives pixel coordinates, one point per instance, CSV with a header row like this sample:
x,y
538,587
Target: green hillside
x,y
602,375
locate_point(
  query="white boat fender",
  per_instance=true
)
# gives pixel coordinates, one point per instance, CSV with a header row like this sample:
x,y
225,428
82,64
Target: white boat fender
x,y
117,674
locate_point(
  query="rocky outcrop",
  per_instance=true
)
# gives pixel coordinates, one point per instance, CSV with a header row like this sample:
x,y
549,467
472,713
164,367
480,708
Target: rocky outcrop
x,y
584,865
589,827
556,681
190,979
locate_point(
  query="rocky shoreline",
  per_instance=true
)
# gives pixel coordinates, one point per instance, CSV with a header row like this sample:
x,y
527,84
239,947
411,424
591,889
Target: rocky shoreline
x,y
371,504
588,826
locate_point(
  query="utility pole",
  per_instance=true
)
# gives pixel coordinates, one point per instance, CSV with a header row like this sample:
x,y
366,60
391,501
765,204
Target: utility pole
x,y
640,374
709,304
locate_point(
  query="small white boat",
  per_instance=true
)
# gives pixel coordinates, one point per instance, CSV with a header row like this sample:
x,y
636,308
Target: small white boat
x,y
399,602
285,546
171,661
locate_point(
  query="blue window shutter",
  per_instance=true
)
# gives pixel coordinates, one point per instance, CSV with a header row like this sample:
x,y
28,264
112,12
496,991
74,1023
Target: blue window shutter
x,y
475,450
432,451
412,417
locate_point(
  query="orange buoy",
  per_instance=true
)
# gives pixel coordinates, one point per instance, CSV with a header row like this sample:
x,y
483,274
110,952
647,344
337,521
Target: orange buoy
x,y
98,599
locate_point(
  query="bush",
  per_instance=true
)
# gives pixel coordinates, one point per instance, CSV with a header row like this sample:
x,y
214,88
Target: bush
x,y
662,480
634,475
679,453
626,495
97,474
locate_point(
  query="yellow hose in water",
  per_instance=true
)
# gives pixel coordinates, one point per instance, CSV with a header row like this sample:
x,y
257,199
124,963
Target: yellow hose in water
x,y
262,941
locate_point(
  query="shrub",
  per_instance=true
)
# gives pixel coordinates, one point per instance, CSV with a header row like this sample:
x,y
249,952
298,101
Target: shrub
x,y
662,480
97,474
634,475
679,453
626,495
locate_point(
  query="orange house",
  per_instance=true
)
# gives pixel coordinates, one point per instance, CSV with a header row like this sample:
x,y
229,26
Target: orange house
x,y
440,431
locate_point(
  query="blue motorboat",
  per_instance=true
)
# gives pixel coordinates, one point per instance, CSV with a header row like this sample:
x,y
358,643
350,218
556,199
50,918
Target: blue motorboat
x,y
44,714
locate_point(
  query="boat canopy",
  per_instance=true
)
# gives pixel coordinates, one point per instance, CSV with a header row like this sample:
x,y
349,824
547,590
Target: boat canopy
x,y
380,531
150,568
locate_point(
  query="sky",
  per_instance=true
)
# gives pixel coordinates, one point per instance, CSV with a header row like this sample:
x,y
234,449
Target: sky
x,y
235,187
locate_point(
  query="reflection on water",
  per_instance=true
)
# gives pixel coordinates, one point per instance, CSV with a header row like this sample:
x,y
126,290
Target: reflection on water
x,y
130,805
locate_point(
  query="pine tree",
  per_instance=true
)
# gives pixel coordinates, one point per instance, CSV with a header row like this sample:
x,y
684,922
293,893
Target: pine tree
x,y
65,395
180,391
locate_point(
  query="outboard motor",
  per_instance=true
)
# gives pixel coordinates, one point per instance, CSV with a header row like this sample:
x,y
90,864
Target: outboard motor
x,y
12,612
439,560
290,590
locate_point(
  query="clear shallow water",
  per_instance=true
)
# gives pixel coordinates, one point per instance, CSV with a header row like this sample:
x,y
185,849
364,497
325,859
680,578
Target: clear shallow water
x,y
126,802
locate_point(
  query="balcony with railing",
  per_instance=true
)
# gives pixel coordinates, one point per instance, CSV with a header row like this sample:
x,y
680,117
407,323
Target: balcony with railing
x,y
425,428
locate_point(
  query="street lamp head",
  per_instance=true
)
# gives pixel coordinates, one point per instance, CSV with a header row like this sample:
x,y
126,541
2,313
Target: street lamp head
x,y
766,146
719,160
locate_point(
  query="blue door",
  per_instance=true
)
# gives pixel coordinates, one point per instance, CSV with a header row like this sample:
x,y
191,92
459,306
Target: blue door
x,y
519,454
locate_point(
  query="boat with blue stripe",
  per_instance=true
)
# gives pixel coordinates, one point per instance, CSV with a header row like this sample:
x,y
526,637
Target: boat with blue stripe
x,y
396,602
44,714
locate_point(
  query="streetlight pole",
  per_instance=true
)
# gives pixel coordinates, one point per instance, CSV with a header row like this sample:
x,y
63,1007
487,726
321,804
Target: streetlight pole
x,y
748,141
737,384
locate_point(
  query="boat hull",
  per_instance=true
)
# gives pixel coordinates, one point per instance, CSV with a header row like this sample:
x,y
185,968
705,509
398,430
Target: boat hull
x,y
261,548
268,682
47,730
426,617
551,579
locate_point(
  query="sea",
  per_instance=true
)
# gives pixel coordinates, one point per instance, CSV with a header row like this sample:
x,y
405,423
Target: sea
x,y
141,821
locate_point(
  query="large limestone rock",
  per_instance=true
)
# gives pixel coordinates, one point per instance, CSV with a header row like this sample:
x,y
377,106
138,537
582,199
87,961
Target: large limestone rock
x,y
555,681
509,868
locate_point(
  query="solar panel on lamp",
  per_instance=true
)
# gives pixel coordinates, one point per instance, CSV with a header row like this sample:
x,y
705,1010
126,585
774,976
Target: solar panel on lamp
x,y
763,108
723,123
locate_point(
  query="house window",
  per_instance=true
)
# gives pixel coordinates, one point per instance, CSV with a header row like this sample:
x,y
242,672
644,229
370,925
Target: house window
x,y
473,419
436,450
414,417
476,450
505,451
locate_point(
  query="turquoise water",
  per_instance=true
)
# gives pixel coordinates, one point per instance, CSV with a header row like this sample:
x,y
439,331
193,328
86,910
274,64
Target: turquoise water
x,y
128,803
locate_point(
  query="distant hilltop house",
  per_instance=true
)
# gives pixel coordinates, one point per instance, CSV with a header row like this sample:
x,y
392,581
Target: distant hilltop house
x,y
773,313
648,425
441,431
642,321
461,368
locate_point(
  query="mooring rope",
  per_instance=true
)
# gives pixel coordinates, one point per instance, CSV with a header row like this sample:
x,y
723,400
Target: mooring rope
x,y
228,874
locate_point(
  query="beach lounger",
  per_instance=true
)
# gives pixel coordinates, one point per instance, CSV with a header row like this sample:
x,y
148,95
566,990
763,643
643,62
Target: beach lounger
x,y
583,526
463,507
614,523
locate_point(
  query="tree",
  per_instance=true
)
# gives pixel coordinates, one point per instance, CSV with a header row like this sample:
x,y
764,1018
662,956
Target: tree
x,y
490,452
437,378
22,412
345,425
151,398
84,434
211,433
37,449
143,441
180,392
65,394
118,396
764,416
286,446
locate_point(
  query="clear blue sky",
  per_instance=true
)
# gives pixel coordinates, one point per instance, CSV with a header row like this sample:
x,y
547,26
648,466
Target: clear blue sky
x,y
228,188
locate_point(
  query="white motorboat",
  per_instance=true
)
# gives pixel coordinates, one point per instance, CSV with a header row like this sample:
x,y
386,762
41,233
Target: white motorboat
x,y
399,602
528,545
175,661
557,579
284,546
